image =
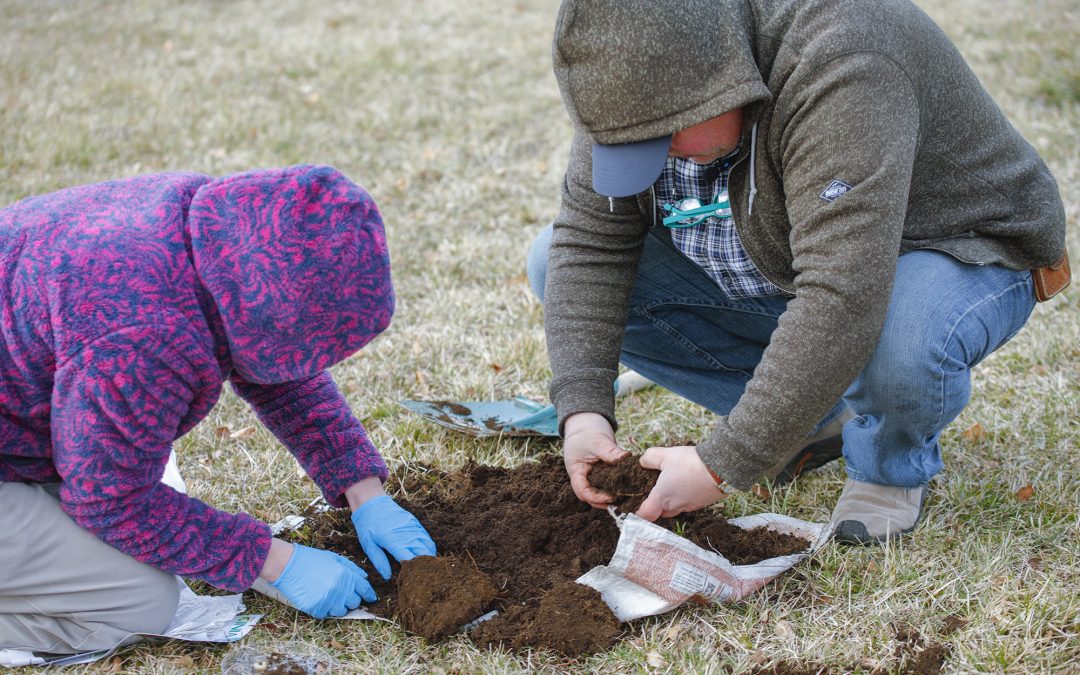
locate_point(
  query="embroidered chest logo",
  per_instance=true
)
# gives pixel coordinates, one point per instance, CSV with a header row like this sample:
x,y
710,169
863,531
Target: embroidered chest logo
x,y
835,190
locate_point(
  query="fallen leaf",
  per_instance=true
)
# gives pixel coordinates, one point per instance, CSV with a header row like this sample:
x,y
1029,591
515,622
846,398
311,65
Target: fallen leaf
x,y
975,433
334,644
419,378
116,665
1035,563
655,660
221,432
246,432
184,661
953,623
672,633
1025,493
417,348
872,565
761,491
497,368
785,629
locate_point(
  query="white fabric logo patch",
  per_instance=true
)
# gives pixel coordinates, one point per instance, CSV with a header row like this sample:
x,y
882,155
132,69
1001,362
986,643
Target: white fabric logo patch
x,y
835,190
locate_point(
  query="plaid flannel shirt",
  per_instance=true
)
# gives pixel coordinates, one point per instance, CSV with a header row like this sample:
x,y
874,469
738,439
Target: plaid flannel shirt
x,y
713,244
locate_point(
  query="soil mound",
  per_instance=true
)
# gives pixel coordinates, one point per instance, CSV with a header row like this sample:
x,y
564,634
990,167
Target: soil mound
x,y
437,596
573,619
741,547
525,530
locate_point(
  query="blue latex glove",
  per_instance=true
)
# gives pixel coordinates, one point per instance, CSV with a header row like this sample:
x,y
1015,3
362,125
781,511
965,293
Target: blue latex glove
x,y
322,584
382,524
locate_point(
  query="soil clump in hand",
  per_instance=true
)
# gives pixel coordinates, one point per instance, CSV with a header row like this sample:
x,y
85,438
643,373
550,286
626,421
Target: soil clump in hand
x,y
627,482
437,596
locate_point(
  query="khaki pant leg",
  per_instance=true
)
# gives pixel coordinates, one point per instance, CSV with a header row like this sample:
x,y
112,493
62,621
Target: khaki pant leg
x,y
63,590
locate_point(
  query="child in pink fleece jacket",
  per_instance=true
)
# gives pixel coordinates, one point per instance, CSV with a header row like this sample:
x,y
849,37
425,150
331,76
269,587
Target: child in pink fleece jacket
x,y
125,306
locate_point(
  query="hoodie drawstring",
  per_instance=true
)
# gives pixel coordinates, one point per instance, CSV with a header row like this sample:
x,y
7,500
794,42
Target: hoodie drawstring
x,y
753,180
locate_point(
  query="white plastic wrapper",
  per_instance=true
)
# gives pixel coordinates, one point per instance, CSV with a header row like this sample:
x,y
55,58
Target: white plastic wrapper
x,y
655,570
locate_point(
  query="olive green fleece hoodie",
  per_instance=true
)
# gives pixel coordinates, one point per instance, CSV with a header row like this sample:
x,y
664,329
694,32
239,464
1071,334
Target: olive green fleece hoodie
x,y
871,94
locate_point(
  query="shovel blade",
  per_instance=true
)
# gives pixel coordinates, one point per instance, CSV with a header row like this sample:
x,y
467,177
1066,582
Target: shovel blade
x,y
517,417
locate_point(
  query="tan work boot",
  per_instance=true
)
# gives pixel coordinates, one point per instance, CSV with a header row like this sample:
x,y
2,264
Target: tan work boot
x,y
873,514
823,447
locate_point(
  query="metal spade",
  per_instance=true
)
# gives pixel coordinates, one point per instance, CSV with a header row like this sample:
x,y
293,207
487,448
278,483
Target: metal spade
x,y
519,416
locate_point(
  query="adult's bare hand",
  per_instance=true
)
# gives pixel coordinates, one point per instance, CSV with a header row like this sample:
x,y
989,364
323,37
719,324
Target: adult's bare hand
x,y
684,483
587,439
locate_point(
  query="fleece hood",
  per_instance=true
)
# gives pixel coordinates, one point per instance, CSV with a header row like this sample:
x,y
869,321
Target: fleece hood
x,y
631,70
297,264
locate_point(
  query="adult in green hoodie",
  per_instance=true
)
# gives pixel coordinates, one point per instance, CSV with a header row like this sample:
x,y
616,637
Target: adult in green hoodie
x,y
865,226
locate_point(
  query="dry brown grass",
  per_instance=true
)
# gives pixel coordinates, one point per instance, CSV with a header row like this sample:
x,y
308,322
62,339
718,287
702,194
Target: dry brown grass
x,y
448,113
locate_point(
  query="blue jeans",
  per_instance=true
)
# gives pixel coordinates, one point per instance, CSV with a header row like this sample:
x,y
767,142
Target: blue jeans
x,y
944,317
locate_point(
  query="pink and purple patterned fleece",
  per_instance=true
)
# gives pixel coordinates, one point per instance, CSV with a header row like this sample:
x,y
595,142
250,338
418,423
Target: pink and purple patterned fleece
x,y
127,304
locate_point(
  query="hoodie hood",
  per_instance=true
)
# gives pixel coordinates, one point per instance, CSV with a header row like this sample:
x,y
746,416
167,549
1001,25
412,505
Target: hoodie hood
x,y
297,264
631,70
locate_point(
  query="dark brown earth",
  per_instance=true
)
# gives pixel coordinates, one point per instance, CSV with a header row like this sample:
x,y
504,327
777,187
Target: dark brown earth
x,y
630,483
627,482
437,596
526,531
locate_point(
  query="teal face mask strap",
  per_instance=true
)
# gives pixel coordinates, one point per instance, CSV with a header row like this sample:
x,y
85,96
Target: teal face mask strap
x,y
678,215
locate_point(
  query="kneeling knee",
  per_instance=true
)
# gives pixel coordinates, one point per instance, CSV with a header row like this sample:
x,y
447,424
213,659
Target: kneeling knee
x,y
153,605
536,262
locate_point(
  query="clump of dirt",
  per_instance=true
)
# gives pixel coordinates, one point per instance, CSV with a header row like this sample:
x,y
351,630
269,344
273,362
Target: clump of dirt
x,y
437,596
917,654
526,530
627,482
573,619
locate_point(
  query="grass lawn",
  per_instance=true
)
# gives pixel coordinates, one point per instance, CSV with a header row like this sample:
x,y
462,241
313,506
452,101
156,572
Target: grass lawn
x,y
447,112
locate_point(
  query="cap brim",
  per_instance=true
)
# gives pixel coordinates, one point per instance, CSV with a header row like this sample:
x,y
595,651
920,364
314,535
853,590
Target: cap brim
x,y
624,169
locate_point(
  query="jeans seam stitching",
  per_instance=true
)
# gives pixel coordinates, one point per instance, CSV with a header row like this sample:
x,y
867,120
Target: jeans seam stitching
x,y
688,344
952,332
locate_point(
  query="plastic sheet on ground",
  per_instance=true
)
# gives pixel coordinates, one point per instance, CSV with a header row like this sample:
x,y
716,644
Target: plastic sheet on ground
x,y
655,570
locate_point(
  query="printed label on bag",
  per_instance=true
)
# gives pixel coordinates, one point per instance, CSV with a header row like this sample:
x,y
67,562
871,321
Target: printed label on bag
x,y
690,579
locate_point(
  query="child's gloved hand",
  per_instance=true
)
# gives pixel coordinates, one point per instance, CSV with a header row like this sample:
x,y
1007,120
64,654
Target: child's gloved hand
x,y
322,584
382,524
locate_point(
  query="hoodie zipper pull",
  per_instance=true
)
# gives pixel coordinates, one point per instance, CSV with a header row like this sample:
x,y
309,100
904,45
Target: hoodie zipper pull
x,y
611,204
